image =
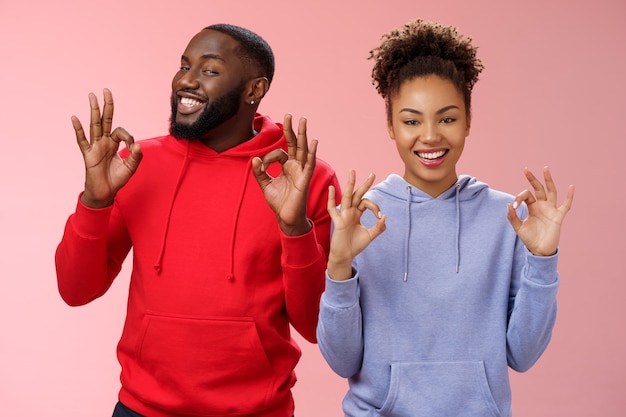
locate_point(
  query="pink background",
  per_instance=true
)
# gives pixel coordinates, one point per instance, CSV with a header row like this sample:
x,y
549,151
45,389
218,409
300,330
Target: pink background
x,y
553,93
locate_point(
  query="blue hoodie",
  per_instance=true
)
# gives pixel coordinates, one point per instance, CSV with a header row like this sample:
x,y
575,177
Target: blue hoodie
x,y
440,305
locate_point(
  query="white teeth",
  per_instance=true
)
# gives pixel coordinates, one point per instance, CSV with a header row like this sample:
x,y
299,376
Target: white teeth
x,y
431,155
189,102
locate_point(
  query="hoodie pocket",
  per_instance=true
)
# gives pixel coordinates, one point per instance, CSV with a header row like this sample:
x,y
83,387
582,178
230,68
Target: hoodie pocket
x,y
201,366
439,389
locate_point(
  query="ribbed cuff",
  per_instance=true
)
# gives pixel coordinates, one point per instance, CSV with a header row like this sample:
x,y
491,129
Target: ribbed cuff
x,y
341,294
89,222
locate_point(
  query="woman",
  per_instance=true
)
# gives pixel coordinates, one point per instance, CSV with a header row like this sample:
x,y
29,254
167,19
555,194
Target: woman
x,y
425,318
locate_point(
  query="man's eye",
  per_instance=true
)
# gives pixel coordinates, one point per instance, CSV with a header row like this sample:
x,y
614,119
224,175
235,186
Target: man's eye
x,y
184,68
210,71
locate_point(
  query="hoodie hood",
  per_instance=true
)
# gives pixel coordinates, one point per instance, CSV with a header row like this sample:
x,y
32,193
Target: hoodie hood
x,y
397,188
269,137
465,188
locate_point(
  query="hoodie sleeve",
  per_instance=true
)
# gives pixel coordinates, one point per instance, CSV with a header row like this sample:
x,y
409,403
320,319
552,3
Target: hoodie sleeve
x,y
532,309
340,326
304,257
90,254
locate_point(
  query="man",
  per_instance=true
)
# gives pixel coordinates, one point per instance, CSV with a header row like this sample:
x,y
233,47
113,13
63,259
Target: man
x,y
221,266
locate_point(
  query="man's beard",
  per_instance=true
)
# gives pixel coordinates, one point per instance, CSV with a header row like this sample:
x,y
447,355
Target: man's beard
x,y
216,113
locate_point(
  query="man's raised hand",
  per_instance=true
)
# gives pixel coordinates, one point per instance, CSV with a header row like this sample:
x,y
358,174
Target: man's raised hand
x,y
105,171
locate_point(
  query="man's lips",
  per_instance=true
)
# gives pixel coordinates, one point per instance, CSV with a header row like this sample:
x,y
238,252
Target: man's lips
x,y
188,104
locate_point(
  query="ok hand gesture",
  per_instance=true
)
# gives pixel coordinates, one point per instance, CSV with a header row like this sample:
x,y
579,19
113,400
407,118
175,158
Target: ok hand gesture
x,y
541,230
105,171
350,237
287,194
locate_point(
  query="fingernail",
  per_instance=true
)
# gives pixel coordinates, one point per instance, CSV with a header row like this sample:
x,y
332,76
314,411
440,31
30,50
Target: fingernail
x,y
380,215
515,204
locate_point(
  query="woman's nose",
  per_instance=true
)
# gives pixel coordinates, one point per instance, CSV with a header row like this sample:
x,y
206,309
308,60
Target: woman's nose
x,y
431,133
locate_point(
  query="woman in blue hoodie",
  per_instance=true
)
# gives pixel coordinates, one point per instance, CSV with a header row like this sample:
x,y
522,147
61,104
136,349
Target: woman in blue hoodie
x,y
425,318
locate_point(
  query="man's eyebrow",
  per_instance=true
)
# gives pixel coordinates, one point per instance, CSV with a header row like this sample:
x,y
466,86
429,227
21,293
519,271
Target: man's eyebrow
x,y
204,57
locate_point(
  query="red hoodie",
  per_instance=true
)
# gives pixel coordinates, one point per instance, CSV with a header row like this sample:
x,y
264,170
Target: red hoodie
x,y
215,283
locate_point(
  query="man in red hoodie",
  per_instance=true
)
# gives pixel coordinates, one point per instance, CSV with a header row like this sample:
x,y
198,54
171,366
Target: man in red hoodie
x,y
227,220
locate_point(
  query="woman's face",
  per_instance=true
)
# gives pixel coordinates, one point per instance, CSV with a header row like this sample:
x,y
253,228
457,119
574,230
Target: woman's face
x,y
429,124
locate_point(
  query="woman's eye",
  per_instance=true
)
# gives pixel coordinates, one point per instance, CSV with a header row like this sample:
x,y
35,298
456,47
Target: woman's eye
x,y
411,122
448,120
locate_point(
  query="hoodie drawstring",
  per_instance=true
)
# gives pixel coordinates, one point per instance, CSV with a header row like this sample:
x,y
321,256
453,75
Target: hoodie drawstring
x,y
181,174
458,227
408,233
159,262
231,274
408,230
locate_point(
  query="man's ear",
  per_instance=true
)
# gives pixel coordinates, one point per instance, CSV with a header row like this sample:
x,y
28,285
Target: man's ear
x,y
257,87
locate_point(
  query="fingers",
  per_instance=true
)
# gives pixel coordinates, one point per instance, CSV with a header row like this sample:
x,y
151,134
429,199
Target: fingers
x,y
569,198
289,135
514,219
331,205
302,146
107,112
310,156
121,135
82,141
258,168
95,125
540,192
100,124
346,198
366,204
353,198
277,155
297,146
380,225
549,193
360,192
133,160
524,197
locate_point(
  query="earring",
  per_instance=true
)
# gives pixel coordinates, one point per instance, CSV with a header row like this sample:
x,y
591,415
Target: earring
x,y
252,102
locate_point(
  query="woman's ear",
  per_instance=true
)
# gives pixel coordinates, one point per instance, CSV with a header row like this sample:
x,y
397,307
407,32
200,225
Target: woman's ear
x,y
392,135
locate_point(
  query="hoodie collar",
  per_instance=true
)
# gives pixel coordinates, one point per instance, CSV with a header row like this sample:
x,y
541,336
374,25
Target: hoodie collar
x,y
465,188
270,136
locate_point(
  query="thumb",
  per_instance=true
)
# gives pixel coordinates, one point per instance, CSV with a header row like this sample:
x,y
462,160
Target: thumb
x,y
258,169
134,158
379,227
513,217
